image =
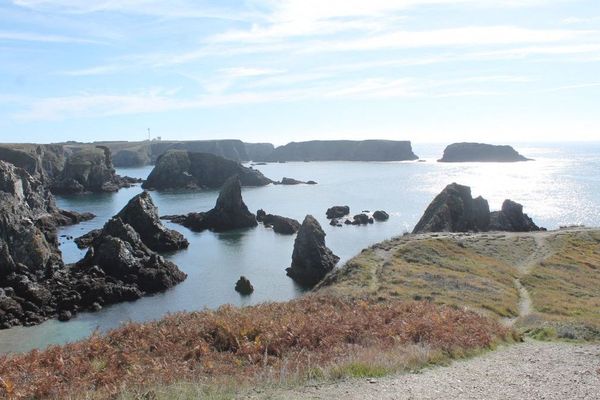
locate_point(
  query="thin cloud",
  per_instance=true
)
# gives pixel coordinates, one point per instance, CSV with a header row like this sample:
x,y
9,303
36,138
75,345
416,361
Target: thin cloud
x,y
44,38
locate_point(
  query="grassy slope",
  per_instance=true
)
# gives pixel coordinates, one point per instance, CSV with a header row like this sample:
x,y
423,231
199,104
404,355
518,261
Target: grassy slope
x,y
442,270
478,271
565,288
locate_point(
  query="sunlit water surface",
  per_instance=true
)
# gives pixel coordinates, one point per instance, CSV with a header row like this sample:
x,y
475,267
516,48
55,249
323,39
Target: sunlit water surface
x,y
562,186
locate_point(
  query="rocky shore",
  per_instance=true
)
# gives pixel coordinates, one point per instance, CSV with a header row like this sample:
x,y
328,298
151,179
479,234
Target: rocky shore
x,y
35,284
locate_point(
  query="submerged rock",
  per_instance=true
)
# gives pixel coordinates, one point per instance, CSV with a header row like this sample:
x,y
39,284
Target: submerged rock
x,y
243,286
283,225
311,259
454,210
480,152
511,218
380,216
229,213
292,181
337,212
187,170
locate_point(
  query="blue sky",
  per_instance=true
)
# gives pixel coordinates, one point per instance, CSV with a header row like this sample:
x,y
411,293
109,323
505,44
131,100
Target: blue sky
x,y
262,70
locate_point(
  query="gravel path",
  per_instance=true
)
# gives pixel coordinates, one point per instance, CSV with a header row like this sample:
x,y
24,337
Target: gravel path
x,y
530,370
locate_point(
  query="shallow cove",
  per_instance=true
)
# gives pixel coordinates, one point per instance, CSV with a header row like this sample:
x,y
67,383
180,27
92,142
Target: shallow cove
x,y
561,187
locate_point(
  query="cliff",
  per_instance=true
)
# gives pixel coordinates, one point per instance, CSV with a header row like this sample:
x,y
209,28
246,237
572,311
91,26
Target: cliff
x,y
343,150
178,169
480,152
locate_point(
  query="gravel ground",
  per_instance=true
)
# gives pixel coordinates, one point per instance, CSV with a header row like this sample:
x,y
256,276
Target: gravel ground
x,y
531,370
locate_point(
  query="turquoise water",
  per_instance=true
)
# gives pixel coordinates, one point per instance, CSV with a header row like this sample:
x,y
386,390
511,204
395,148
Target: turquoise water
x,y
561,187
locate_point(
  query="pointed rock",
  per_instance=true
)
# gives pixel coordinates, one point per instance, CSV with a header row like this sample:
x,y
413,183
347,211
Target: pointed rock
x,y
311,259
455,210
511,218
230,212
141,213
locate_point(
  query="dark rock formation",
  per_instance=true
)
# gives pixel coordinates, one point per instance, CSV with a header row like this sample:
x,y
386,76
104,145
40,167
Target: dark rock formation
x,y
120,253
66,170
511,218
260,215
186,170
27,223
480,152
292,181
361,219
380,215
85,241
142,215
454,210
337,212
343,150
243,286
283,225
229,213
89,169
35,283
311,259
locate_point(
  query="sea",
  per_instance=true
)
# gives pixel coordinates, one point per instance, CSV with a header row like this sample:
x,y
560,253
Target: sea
x,y
560,187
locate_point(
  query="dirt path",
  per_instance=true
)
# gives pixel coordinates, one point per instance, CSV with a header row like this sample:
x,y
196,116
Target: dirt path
x,y
531,370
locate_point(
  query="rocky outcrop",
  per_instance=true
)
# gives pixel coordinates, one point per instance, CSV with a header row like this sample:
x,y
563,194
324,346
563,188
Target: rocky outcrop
x,y
35,284
361,219
243,286
480,152
28,215
511,218
89,169
337,212
380,216
282,225
120,253
141,213
311,259
292,181
343,150
455,210
67,170
85,241
188,170
229,213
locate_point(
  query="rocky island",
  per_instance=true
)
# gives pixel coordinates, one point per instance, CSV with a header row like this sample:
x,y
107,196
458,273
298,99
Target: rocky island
x,y
480,152
179,169
343,150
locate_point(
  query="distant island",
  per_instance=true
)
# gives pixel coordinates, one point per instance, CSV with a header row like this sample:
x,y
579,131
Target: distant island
x,y
343,150
480,152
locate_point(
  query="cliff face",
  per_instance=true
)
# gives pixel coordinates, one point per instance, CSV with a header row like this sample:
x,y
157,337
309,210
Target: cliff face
x,y
258,151
343,150
480,152
26,208
66,169
182,169
134,154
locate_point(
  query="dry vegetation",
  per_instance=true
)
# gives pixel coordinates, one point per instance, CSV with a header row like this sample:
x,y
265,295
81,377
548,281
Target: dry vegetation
x,y
317,336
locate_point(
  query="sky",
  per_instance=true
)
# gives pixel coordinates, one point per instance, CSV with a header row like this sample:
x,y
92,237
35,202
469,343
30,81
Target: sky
x,y
497,71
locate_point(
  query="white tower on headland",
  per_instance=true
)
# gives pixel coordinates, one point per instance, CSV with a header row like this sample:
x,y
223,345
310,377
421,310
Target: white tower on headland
x,y
148,134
